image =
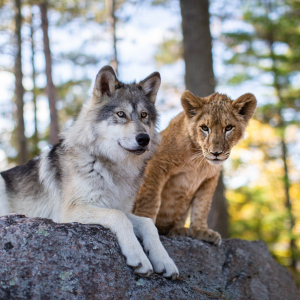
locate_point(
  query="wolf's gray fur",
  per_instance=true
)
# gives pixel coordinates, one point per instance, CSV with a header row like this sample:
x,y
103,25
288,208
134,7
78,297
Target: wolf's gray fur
x,y
92,176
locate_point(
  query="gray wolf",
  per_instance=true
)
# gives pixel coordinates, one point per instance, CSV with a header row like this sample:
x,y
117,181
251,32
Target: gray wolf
x,y
93,174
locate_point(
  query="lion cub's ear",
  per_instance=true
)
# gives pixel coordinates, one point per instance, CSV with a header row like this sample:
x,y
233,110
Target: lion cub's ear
x,y
190,103
105,83
245,106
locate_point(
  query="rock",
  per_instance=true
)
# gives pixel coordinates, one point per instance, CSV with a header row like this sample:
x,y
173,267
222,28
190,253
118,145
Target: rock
x,y
40,259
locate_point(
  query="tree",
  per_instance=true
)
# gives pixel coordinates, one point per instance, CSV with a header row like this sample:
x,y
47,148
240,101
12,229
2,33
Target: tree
x,y
51,92
19,89
199,79
272,46
257,208
35,137
112,20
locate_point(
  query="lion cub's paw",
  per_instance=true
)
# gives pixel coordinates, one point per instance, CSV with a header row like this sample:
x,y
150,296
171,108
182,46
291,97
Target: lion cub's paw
x,y
207,235
182,231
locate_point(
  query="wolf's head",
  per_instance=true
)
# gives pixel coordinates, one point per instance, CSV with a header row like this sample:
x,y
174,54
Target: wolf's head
x,y
120,119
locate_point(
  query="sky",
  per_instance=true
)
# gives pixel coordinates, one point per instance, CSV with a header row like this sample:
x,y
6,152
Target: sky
x,y
138,41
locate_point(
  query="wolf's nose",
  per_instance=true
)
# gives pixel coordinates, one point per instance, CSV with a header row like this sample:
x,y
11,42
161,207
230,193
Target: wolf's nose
x,y
143,139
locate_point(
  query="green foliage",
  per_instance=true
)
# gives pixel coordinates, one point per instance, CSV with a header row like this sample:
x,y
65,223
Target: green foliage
x,y
258,210
267,49
239,78
160,2
169,51
71,95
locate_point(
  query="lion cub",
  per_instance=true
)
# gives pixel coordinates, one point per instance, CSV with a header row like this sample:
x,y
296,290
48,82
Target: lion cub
x,y
184,172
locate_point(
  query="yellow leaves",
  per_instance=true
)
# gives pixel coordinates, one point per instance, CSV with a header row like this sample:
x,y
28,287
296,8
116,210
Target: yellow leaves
x,y
257,209
274,167
295,194
291,133
235,197
259,133
265,210
282,249
247,211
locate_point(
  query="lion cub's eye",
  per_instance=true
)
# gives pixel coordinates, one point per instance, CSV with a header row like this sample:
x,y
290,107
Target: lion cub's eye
x,y
228,128
144,115
204,128
121,114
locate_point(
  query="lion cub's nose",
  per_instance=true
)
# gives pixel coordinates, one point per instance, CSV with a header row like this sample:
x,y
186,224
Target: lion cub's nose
x,y
143,139
216,154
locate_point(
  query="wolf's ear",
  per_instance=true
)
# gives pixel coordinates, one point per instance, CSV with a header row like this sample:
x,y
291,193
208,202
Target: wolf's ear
x,y
105,83
245,106
150,86
190,103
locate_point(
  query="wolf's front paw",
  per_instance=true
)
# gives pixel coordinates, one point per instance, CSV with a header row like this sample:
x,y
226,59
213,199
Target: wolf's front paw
x,y
139,262
207,235
182,231
163,264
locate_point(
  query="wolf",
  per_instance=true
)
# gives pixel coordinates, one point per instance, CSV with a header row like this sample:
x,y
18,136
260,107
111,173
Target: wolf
x,y
93,174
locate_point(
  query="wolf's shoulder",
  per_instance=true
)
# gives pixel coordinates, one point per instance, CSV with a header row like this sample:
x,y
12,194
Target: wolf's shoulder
x,y
15,175
44,164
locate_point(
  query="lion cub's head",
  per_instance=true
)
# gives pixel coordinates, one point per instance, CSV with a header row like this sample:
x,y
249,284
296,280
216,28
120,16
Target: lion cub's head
x,y
216,123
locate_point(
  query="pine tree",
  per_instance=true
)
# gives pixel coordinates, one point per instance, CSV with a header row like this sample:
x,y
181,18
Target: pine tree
x,y
51,92
19,89
35,136
271,47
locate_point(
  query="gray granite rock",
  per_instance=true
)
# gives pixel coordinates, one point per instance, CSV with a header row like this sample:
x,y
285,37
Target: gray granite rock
x,y
40,259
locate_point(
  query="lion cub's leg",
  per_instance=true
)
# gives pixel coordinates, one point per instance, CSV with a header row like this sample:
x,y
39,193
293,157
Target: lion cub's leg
x,y
148,201
180,219
200,209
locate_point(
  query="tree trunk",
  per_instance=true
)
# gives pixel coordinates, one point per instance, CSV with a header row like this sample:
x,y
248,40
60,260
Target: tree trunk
x,y
112,20
50,86
34,90
218,215
284,153
288,204
199,75
19,89
199,79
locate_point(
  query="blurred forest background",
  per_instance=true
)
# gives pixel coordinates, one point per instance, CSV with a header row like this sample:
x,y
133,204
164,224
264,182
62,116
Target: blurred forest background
x,y
50,52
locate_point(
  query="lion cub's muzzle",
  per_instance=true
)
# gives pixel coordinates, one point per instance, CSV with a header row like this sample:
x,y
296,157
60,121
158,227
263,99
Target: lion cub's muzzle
x,y
216,154
216,157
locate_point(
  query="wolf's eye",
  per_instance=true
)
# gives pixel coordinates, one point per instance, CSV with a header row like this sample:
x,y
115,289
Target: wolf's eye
x,y
144,115
204,128
121,114
228,128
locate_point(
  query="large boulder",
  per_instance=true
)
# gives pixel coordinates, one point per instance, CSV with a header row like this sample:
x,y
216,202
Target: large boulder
x,y
40,259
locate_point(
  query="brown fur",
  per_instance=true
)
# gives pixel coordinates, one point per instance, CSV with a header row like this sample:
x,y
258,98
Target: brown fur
x,y
183,174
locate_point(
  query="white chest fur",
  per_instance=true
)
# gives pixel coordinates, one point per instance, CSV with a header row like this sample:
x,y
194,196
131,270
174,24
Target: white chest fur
x,y
102,183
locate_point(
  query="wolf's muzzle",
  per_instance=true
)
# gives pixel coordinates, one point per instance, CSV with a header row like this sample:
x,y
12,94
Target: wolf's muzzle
x,y
142,139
